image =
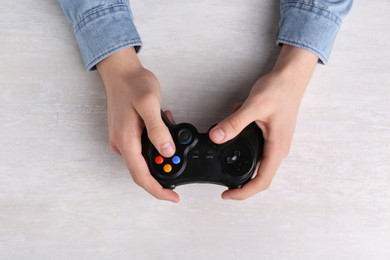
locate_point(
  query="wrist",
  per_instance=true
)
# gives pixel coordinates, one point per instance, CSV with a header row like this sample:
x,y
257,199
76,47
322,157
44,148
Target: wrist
x,y
289,77
120,65
295,65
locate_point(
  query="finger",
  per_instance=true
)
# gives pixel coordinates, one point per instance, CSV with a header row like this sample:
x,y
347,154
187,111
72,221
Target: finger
x,y
158,132
231,126
168,113
141,174
114,148
263,179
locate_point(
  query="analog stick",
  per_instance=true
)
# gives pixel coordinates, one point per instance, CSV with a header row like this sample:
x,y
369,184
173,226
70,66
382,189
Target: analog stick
x,y
184,136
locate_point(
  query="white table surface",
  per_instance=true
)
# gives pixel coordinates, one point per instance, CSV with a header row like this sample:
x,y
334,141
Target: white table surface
x,y
65,195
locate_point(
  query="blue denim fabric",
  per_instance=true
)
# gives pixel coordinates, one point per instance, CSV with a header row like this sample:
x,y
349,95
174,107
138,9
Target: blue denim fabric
x,y
312,24
103,27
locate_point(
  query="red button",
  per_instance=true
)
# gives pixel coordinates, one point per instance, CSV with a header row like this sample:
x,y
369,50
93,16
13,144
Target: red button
x,y
159,159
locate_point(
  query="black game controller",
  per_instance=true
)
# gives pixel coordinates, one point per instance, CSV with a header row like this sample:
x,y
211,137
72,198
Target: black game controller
x,y
199,160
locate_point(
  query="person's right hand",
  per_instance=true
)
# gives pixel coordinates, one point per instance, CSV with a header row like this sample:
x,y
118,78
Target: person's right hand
x,y
133,102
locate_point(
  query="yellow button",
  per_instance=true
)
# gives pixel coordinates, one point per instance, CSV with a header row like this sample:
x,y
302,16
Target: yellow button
x,y
167,168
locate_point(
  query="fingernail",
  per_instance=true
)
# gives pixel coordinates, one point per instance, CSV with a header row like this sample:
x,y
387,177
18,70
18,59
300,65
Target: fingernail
x,y
167,150
218,134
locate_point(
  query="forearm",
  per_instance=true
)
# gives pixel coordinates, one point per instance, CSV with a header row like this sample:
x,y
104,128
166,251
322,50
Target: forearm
x,y
121,64
122,73
295,65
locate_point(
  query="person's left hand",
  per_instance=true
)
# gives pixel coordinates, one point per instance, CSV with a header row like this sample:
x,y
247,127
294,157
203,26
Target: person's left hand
x,y
273,104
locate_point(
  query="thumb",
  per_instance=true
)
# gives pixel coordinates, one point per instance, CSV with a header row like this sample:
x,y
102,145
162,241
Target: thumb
x,y
231,126
158,132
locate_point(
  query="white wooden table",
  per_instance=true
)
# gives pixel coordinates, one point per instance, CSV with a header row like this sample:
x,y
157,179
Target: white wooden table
x,y
65,195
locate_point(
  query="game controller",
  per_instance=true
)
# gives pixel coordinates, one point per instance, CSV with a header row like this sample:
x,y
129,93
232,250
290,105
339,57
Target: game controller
x,y
198,160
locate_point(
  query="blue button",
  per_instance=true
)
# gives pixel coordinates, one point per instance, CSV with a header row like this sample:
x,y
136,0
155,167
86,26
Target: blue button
x,y
176,159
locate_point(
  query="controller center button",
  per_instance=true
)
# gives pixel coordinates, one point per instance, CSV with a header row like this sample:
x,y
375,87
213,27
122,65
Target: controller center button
x,y
158,159
184,136
176,159
167,168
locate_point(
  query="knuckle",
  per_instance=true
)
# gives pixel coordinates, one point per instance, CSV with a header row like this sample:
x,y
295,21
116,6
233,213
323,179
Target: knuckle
x,y
280,147
144,101
156,132
235,124
117,137
136,180
113,146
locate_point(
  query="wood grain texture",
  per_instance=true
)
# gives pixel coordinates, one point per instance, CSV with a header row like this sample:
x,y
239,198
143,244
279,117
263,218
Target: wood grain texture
x,y
65,195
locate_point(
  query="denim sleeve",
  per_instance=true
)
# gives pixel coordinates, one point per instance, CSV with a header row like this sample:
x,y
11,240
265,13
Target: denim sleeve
x,y
101,27
312,24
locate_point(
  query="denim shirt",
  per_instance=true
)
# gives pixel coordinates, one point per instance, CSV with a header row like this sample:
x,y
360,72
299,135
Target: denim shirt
x,y
103,27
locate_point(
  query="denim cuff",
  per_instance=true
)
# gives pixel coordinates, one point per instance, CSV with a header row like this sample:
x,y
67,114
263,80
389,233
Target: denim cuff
x,y
310,27
103,31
